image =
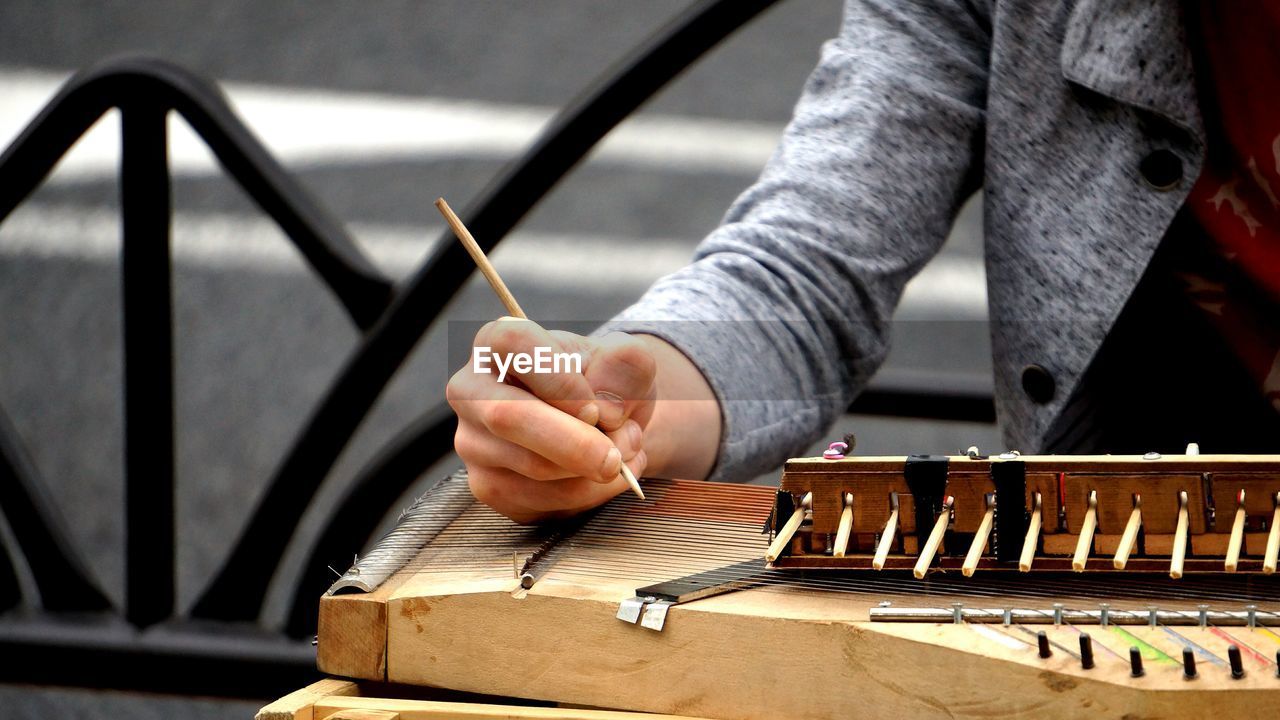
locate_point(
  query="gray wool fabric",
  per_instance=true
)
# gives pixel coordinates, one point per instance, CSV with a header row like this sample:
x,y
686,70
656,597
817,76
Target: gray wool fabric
x,y
1049,105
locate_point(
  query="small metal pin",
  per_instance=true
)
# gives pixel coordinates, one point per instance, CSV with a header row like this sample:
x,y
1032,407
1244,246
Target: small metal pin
x,y
1188,663
1153,615
1135,663
1237,665
957,613
1086,651
1204,615
1104,614
1008,617
1042,642
1251,613
1151,456
1057,613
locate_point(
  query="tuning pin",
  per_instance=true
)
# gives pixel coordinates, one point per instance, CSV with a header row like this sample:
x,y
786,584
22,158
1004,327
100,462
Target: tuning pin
x,y
1273,539
1188,663
789,529
1180,538
1085,544
1042,642
1032,539
1237,665
886,537
1130,536
935,539
980,537
1086,651
1135,663
846,527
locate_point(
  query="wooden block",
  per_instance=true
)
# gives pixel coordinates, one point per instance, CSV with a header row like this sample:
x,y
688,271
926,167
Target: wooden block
x,y
1115,501
353,636
721,657
391,708
1047,485
1060,544
297,705
1259,496
359,714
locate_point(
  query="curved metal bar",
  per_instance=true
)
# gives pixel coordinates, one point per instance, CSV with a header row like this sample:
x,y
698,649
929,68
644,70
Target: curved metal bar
x,y
238,591
61,575
363,291
355,517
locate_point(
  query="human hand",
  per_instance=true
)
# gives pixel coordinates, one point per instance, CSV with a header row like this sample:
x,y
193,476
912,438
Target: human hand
x,y
541,445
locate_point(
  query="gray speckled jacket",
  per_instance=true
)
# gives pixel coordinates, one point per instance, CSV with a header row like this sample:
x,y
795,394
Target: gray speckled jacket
x,y
1065,112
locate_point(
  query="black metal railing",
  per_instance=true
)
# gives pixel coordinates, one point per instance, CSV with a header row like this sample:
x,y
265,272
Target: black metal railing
x,y
220,649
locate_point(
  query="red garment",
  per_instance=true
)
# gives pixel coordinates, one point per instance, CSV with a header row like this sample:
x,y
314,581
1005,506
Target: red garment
x,y
1236,200
1237,197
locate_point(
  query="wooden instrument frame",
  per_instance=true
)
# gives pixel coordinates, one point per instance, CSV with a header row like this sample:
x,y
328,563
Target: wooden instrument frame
x,y
1208,481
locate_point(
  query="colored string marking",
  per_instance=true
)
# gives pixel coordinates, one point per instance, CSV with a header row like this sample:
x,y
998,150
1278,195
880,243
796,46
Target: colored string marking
x,y
1098,643
1149,651
1268,633
1052,642
1263,660
1198,648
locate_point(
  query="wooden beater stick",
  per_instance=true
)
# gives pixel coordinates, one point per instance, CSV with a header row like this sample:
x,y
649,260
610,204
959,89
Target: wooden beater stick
x,y
1273,539
1180,537
935,539
508,300
886,537
1086,534
1237,536
1033,536
980,537
789,530
846,527
1130,536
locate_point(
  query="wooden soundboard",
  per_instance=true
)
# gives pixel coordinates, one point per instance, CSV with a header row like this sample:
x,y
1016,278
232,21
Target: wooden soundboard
x,y
454,612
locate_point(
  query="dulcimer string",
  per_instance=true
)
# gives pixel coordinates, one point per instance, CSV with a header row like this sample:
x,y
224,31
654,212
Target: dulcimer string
x,y
691,528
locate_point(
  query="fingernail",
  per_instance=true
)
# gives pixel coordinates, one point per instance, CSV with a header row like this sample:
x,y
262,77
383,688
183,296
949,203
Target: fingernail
x,y
612,465
590,414
610,401
634,435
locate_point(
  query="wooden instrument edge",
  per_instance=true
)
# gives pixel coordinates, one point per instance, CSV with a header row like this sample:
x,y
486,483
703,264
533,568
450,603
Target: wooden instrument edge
x,y
748,644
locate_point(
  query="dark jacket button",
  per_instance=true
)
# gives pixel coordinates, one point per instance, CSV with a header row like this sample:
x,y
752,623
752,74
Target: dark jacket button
x,y
1162,169
1037,383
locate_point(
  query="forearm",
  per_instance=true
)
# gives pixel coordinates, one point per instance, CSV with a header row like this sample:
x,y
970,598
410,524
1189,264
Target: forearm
x,y
683,436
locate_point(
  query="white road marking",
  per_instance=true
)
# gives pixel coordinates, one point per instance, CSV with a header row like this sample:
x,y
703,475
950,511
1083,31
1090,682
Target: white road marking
x,y
315,127
949,287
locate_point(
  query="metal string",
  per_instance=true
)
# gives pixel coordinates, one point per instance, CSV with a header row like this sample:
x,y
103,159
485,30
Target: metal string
x,y
691,527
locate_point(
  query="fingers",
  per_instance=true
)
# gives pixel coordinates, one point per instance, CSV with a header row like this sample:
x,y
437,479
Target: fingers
x,y
622,372
514,415
528,501
551,366
477,446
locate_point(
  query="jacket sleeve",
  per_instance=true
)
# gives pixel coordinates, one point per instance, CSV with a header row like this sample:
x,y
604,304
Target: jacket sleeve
x,y
786,308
